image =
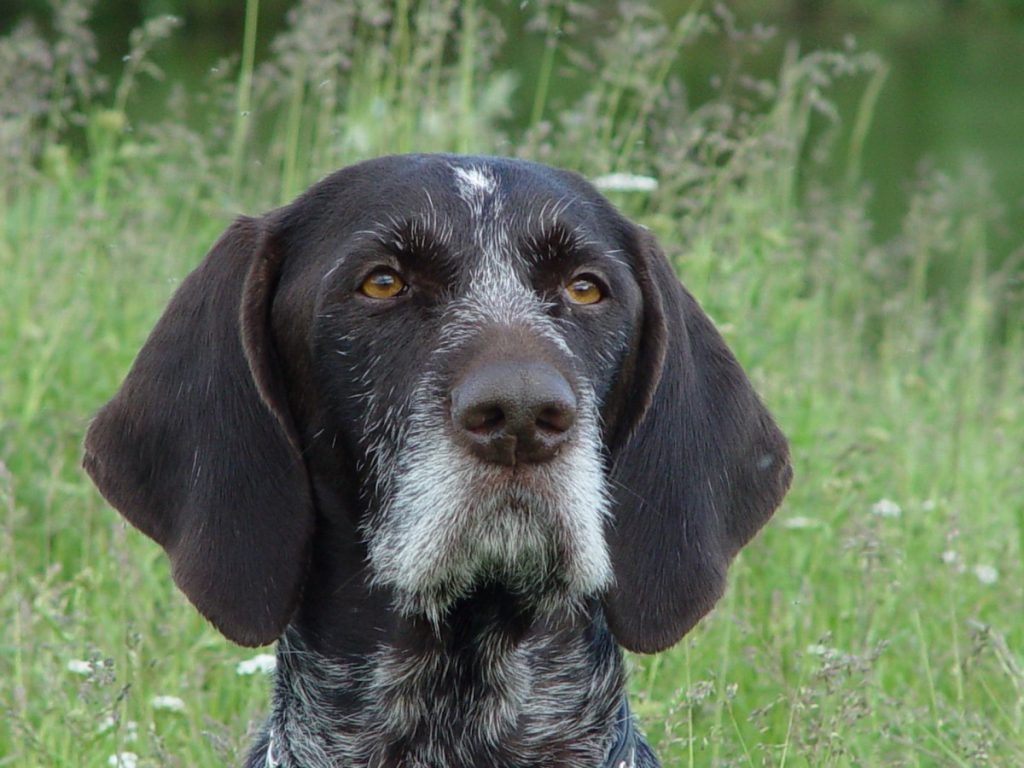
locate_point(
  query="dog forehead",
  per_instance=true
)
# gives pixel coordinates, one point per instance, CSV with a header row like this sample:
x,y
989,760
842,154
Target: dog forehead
x,y
458,212
460,202
511,187
478,185
458,189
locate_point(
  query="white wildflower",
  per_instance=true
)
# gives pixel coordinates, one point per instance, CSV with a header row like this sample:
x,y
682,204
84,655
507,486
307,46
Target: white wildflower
x,y
799,523
263,662
886,508
817,649
626,182
168,703
80,667
950,557
986,574
123,760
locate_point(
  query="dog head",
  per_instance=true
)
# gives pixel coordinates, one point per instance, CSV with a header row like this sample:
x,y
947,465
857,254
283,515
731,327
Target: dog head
x,y
499,375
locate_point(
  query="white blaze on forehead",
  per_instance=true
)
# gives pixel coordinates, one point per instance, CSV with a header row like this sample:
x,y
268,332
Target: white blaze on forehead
x,y
475,185
496,292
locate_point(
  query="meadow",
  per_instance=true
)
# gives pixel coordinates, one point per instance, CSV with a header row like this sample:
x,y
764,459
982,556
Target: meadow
x,y
878,620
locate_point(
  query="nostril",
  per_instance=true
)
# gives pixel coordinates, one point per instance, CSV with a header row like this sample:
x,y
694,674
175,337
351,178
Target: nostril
x,y
557,417
481,419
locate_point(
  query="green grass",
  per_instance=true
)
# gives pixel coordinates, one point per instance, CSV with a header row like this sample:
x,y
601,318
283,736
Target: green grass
x,y
854,632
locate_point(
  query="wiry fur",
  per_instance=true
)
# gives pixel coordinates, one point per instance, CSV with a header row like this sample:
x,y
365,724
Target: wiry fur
x,y
441,602
548,699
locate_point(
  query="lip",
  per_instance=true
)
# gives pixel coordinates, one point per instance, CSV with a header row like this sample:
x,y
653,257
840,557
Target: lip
x,y
521,487
524,474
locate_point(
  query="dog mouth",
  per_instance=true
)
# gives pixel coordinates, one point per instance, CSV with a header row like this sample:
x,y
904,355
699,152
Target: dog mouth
x,y
510,552
520,488
513,529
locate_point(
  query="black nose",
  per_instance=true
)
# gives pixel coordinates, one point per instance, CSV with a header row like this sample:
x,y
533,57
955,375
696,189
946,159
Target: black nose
x,y
510,412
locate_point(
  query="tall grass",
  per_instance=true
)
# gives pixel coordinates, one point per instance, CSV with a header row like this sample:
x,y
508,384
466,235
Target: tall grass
x,y
876,621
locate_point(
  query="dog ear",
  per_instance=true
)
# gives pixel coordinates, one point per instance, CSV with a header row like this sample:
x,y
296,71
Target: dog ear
x,y
197,449
698,466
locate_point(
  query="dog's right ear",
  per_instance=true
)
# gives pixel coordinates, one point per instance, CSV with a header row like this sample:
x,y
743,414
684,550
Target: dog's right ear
x,y
198,451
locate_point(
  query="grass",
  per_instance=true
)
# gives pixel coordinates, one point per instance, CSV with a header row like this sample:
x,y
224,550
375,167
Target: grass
x,y
877,619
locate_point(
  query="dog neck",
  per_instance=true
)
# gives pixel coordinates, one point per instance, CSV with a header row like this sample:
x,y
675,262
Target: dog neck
x,y
494,685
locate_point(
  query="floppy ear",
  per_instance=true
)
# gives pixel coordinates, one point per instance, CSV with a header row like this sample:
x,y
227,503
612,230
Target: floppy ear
x,y
698,467
198,452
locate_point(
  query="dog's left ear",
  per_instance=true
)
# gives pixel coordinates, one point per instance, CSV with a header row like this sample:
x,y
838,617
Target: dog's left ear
x,y
698,466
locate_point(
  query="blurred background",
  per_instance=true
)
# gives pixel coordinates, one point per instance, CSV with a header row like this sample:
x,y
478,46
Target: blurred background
x,y
954,91
839,182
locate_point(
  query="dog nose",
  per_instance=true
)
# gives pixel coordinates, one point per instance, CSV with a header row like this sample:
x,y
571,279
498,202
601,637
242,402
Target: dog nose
x,y
514,412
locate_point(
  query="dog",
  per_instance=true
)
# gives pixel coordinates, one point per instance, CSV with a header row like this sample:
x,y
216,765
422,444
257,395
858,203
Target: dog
x,y
451,432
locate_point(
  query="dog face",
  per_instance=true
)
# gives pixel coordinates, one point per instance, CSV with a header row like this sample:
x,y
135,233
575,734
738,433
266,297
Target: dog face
x,y
502,371
483,311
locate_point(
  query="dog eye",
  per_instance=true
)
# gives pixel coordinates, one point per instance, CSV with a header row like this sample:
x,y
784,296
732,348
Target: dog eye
x,y
584,289
383,283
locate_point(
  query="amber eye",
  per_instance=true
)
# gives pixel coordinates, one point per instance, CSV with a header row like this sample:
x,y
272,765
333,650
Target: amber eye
x,y
582,289
383,283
